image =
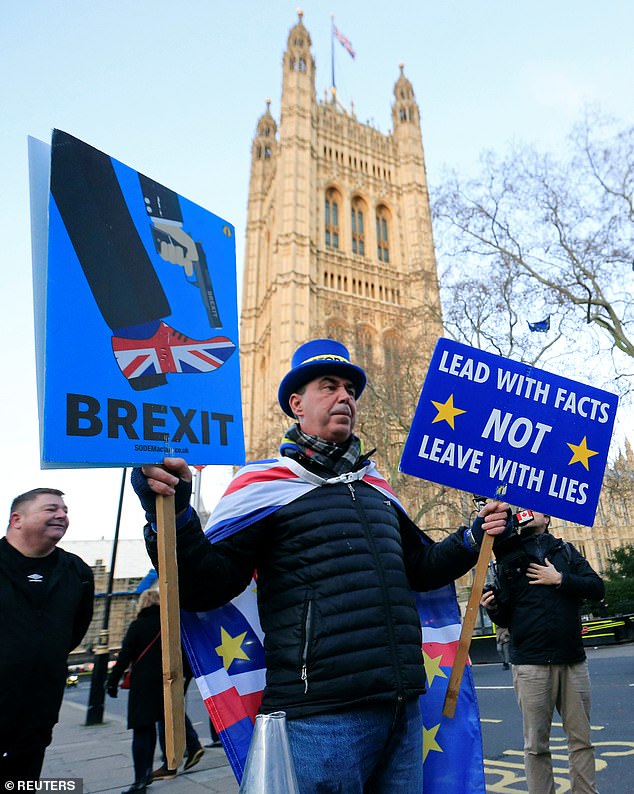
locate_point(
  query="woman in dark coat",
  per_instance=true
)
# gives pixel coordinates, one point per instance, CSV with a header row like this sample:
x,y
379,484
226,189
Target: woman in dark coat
x,y
142,648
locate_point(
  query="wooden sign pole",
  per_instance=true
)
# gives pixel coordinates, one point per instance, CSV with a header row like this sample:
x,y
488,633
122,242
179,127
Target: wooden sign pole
x,y
173,688
466,633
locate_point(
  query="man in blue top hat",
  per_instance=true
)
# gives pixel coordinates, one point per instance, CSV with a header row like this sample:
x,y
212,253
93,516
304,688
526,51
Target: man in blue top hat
x,y
338,561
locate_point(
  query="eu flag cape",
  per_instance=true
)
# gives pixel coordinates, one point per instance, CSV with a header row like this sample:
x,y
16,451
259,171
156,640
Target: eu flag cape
x,y
225,646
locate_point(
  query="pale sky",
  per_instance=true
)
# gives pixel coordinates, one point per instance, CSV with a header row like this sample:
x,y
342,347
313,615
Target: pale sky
x,y
175,89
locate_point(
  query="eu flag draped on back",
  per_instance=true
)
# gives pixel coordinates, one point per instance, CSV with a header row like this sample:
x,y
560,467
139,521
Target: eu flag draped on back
x,y
226,653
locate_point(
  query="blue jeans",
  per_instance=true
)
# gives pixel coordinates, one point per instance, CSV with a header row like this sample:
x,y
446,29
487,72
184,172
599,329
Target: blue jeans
x,y
373,749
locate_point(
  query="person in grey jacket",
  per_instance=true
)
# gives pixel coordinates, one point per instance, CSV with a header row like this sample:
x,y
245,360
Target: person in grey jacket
x,y
46,603
336,572
542,581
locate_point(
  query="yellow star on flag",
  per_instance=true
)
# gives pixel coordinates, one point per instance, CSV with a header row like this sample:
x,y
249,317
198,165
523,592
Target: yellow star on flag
x,y
581,453
432,668
429,741
447,412
230,648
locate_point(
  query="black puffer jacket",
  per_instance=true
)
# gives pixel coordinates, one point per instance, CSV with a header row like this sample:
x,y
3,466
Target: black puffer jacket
x,y
336,569
544,620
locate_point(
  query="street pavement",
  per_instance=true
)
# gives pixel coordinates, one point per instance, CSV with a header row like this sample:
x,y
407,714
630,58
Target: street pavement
x,y
101,755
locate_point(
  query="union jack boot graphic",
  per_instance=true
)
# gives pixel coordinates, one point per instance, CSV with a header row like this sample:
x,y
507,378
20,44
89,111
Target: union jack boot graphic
x,y
145,362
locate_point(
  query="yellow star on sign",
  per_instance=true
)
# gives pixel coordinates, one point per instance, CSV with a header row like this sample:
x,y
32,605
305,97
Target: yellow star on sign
x,y
432,668
581,453
446,412
230,648
429,741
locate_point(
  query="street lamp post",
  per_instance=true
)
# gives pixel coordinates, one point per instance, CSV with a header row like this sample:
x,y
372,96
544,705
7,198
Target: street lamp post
x,y
94,714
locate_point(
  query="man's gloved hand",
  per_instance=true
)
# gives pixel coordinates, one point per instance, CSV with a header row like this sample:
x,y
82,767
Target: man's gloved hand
x,y
146,495
172,478
496,518
112,690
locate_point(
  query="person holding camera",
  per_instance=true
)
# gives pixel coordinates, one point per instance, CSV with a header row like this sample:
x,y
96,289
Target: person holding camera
x,y
541,582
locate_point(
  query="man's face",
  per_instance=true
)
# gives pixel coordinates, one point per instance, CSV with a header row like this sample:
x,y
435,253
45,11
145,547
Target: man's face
x,y
43,520
327,408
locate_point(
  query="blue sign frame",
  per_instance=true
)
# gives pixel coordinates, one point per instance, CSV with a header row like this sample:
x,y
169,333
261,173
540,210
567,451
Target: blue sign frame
x,y
502,429
137,326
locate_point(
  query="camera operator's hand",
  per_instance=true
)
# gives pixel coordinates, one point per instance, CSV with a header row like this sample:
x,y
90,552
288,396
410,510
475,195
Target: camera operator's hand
x,y
488,601
543,574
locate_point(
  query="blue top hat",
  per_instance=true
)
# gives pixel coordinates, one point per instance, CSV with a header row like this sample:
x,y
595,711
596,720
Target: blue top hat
x,y
315,358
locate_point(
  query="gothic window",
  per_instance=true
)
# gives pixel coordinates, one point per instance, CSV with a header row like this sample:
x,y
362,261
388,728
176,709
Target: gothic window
x,y
356,225
391,351
336,331
382,238
331,208
364,345
267,152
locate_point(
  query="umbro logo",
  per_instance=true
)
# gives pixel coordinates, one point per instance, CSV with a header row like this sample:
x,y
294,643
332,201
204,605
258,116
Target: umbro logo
x,y
35,577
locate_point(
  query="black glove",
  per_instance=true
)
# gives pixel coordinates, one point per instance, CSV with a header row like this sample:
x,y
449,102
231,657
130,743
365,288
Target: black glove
x,y
147,497
112,690
477,533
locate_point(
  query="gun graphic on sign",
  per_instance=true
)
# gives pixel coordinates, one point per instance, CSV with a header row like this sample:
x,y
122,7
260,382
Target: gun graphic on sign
x,y
199,278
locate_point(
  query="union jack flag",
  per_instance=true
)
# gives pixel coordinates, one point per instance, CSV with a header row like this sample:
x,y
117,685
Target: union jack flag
x,y
170,351
226,646
347,44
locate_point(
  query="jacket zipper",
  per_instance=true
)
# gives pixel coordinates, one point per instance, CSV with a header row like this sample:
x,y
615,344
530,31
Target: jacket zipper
x,y
308,631
382,583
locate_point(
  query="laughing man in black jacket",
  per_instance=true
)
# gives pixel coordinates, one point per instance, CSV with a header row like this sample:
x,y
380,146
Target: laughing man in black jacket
x,y
46,601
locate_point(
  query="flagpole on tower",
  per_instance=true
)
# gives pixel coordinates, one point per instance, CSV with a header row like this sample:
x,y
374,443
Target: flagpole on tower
x,y
345,42
333,88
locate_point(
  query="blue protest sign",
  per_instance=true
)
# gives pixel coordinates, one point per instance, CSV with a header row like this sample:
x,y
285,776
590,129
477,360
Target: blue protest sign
x,y
495,427
137,332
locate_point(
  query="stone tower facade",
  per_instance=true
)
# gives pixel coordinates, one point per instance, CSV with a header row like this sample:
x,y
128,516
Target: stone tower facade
x,y
338,240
